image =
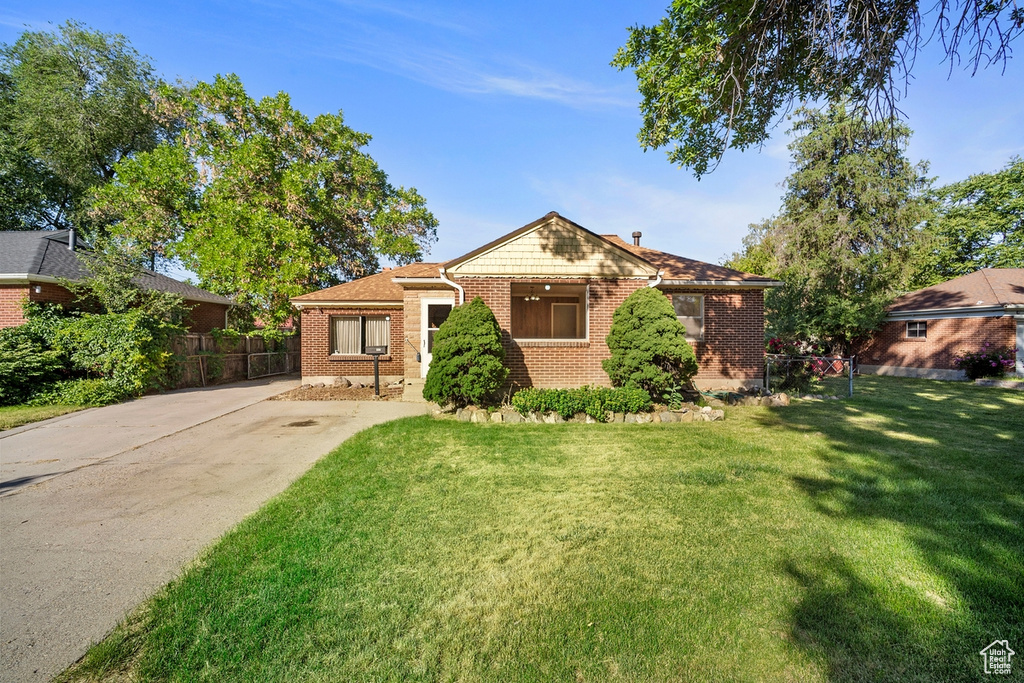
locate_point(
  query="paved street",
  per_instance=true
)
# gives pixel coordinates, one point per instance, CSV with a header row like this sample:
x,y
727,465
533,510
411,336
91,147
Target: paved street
x,y
99,509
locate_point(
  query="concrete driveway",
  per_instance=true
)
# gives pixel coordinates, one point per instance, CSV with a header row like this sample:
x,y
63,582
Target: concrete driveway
x,y
99,509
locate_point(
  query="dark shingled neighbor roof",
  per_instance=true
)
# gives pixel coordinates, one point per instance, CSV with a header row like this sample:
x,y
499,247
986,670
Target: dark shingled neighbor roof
x,y
46,253
985,287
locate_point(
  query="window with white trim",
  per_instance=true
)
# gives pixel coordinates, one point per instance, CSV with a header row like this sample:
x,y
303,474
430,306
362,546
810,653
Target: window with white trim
x,y
351,334
917,329
543,311
690,312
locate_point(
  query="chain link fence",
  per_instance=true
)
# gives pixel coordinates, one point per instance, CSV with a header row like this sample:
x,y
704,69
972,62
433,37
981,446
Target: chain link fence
x,y
809,375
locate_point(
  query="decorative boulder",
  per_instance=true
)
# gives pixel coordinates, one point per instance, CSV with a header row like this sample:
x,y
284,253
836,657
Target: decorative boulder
x,y
342,382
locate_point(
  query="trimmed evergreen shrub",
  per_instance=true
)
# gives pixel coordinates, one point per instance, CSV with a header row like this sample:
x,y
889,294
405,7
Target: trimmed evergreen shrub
x,y
596,402
648,345
468,358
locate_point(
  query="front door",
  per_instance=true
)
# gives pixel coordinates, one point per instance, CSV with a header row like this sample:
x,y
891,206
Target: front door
x,y
433,312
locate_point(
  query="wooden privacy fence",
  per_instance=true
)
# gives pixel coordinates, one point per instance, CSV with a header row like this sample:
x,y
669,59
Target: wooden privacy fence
x,y
207,359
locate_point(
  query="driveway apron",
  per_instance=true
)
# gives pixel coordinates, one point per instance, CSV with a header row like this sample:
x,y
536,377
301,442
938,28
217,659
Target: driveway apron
x,y
100,509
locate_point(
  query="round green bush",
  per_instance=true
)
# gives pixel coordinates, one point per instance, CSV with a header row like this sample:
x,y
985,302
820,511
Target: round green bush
x,y
648,345
468,362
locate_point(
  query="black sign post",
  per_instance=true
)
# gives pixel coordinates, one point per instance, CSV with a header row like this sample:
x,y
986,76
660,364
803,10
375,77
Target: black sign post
x,y
376,352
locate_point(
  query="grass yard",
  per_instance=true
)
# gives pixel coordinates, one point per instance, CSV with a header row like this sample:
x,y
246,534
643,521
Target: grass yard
x,y
874,539
15,416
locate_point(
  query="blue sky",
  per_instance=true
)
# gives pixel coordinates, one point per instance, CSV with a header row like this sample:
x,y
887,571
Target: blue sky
x,y
498,112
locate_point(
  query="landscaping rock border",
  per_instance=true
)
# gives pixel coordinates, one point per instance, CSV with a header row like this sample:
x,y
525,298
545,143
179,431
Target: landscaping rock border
x,y
1000,383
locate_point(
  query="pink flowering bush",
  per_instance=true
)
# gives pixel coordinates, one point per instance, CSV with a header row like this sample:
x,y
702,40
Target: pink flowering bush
x,y
988,362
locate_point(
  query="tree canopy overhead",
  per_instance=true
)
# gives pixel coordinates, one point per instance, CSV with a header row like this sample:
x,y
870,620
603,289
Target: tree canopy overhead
x,y
261,202
73,103
978,223
715,74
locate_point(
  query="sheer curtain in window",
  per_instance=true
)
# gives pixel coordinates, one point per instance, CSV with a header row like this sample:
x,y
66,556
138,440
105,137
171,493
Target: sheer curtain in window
x,y
346,335
377,331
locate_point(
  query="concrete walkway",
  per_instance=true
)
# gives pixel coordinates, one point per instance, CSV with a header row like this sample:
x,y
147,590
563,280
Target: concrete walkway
x,y
101,508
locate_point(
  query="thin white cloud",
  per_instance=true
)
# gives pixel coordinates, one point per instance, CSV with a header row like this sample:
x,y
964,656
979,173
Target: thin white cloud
x,y
454,73
21,23
422,14
694,222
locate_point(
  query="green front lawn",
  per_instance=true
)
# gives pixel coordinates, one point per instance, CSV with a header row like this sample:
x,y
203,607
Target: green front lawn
x,y
878,538
15,416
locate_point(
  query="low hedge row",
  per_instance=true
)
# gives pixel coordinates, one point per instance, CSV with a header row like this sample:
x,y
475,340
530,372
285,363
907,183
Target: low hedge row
x,y
596,402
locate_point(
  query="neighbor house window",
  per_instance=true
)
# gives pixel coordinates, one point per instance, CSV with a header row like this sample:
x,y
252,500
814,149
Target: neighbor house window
x,y
351,334
690,312
549,311
917,329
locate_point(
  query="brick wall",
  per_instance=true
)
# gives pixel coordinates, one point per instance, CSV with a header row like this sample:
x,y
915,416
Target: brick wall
x,y
733,344
51,293
11,299
890,346
205,316
317,361
555,364
732,351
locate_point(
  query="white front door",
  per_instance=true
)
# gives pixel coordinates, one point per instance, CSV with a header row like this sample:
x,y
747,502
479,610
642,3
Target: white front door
x,y
433,312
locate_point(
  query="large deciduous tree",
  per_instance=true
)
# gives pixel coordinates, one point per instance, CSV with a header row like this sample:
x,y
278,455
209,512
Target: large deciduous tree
x,y
261,202
73,103
979,223
715,74
849,226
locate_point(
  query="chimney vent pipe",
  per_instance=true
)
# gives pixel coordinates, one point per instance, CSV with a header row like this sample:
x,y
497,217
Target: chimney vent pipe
x,y
71,239
636,238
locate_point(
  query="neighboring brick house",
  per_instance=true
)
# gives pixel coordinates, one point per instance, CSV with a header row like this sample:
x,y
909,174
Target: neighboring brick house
x,y
553,286
927,328
32,264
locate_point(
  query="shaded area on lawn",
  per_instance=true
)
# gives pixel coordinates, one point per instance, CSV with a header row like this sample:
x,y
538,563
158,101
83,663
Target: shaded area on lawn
x,y
940,463
843,541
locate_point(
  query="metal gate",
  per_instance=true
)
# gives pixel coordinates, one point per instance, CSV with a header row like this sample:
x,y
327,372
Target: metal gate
x,y
814,375
274,363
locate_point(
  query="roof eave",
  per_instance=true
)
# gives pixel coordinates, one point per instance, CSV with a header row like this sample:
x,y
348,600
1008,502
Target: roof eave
x,y
418,281
306,303
758,284
959,311
24,278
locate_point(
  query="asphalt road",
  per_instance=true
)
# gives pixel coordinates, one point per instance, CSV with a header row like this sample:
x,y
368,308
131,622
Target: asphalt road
x,y
99,509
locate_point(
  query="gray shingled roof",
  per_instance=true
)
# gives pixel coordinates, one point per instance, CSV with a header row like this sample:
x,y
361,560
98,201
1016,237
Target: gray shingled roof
x,y
45,253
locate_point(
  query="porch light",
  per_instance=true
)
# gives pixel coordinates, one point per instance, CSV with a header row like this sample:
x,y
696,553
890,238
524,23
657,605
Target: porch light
x,y
532,296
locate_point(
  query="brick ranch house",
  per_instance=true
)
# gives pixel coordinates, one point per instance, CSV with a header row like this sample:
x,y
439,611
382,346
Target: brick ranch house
x,y
32,263
926,328
553,286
